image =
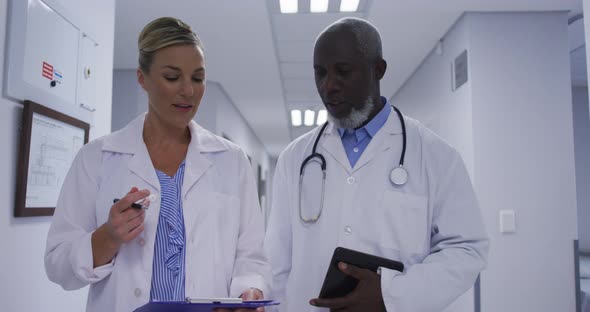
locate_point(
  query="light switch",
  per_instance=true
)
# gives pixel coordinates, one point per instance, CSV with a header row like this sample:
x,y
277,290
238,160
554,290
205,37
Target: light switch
x,y
507,221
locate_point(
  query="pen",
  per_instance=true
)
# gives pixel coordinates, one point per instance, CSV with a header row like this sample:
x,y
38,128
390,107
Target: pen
x,y
133,205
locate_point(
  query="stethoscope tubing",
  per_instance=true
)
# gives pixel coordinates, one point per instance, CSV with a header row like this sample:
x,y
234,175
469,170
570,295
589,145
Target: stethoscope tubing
x,y
315,154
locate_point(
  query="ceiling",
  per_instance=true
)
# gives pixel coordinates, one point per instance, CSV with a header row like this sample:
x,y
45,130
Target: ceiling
x,y
263,58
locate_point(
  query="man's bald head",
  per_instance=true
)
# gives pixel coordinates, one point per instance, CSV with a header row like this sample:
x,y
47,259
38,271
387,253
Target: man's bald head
x,y
366,35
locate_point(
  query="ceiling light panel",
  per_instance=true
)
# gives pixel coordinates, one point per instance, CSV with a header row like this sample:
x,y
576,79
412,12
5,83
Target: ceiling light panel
x,y
322,117
349,5
288,6
296,118
309,118
318,6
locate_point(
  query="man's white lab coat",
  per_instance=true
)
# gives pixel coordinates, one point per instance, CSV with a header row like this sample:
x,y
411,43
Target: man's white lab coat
x,y
432,224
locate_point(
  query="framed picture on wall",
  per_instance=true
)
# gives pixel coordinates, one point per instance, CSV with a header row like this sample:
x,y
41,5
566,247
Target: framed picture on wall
x,y
49,142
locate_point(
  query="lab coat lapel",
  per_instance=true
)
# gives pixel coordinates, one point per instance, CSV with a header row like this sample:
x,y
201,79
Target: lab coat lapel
x,y
331,143
387,137
140,163
195,164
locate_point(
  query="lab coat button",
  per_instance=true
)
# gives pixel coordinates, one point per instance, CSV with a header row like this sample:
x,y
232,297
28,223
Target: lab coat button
x,y
347,229
350,180
141,242
137,292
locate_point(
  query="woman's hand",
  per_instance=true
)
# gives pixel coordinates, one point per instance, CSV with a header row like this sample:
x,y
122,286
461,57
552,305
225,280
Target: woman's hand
x,y
124,224
248,295
252,294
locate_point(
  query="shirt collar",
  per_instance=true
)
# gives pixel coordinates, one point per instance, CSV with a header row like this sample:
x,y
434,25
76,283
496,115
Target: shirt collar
x,y
128,139
373,125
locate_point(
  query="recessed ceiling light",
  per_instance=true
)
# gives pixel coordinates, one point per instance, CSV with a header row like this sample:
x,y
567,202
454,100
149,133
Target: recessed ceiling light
x,y
322,117
349,5
296,118
318,6
309,117
288,6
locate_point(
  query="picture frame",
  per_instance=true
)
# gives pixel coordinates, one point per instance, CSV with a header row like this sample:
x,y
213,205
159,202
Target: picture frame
x,y
49,142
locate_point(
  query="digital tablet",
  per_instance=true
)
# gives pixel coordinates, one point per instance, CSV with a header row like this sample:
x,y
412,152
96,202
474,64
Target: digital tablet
x,y
337,284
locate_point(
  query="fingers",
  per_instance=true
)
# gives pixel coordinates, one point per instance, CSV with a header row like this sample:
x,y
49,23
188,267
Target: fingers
x,y
134,233
252,294
356,272
249,295
126,223
260,309
131,197
366,295
130,215
332,303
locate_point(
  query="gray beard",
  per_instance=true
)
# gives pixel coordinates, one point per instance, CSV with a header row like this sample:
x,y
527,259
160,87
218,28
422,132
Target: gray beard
x,y
356,118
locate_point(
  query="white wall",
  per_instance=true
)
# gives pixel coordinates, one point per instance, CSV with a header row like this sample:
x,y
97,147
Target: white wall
x,y
582,150
231,123
427,96
23,283
586,8
518,102
524,156
126,94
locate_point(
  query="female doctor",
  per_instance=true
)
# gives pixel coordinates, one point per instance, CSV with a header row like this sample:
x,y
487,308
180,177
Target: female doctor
x,y
201,234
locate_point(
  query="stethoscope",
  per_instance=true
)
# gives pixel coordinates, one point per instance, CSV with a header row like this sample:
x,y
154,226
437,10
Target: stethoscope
x,y
398,175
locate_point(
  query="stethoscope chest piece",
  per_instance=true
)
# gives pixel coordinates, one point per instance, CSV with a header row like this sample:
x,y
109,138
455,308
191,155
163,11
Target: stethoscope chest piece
x,y
398,176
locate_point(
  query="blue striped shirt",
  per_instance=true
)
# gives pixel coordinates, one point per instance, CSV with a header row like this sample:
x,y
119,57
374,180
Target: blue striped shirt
x,y
355,141
169,249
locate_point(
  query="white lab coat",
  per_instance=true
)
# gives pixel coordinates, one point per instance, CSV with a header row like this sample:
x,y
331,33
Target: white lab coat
x,y
432,224
222,219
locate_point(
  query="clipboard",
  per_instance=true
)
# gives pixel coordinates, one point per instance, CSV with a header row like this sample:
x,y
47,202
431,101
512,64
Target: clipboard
x,y
203,305
337,284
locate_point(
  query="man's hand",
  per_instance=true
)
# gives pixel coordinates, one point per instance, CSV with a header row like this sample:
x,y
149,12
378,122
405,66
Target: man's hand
x,y
365,297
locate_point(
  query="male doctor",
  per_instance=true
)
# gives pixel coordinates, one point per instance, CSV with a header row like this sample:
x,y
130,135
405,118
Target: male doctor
x,y
423,214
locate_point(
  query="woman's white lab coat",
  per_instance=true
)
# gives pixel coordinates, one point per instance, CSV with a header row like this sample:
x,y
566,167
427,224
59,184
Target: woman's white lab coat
x,y
222,219
432,224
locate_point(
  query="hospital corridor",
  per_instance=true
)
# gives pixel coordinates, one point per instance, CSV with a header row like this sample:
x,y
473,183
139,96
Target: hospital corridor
x,y
295,155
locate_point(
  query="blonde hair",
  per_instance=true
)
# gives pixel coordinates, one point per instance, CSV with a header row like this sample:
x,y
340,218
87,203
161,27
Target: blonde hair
x,y
161,33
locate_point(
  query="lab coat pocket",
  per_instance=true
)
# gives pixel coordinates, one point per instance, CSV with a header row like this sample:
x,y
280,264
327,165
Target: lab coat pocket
x,y
404,223
227,215
212,234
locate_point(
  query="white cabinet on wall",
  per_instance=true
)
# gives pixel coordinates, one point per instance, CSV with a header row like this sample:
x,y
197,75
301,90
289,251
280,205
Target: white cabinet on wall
x,y
50,59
